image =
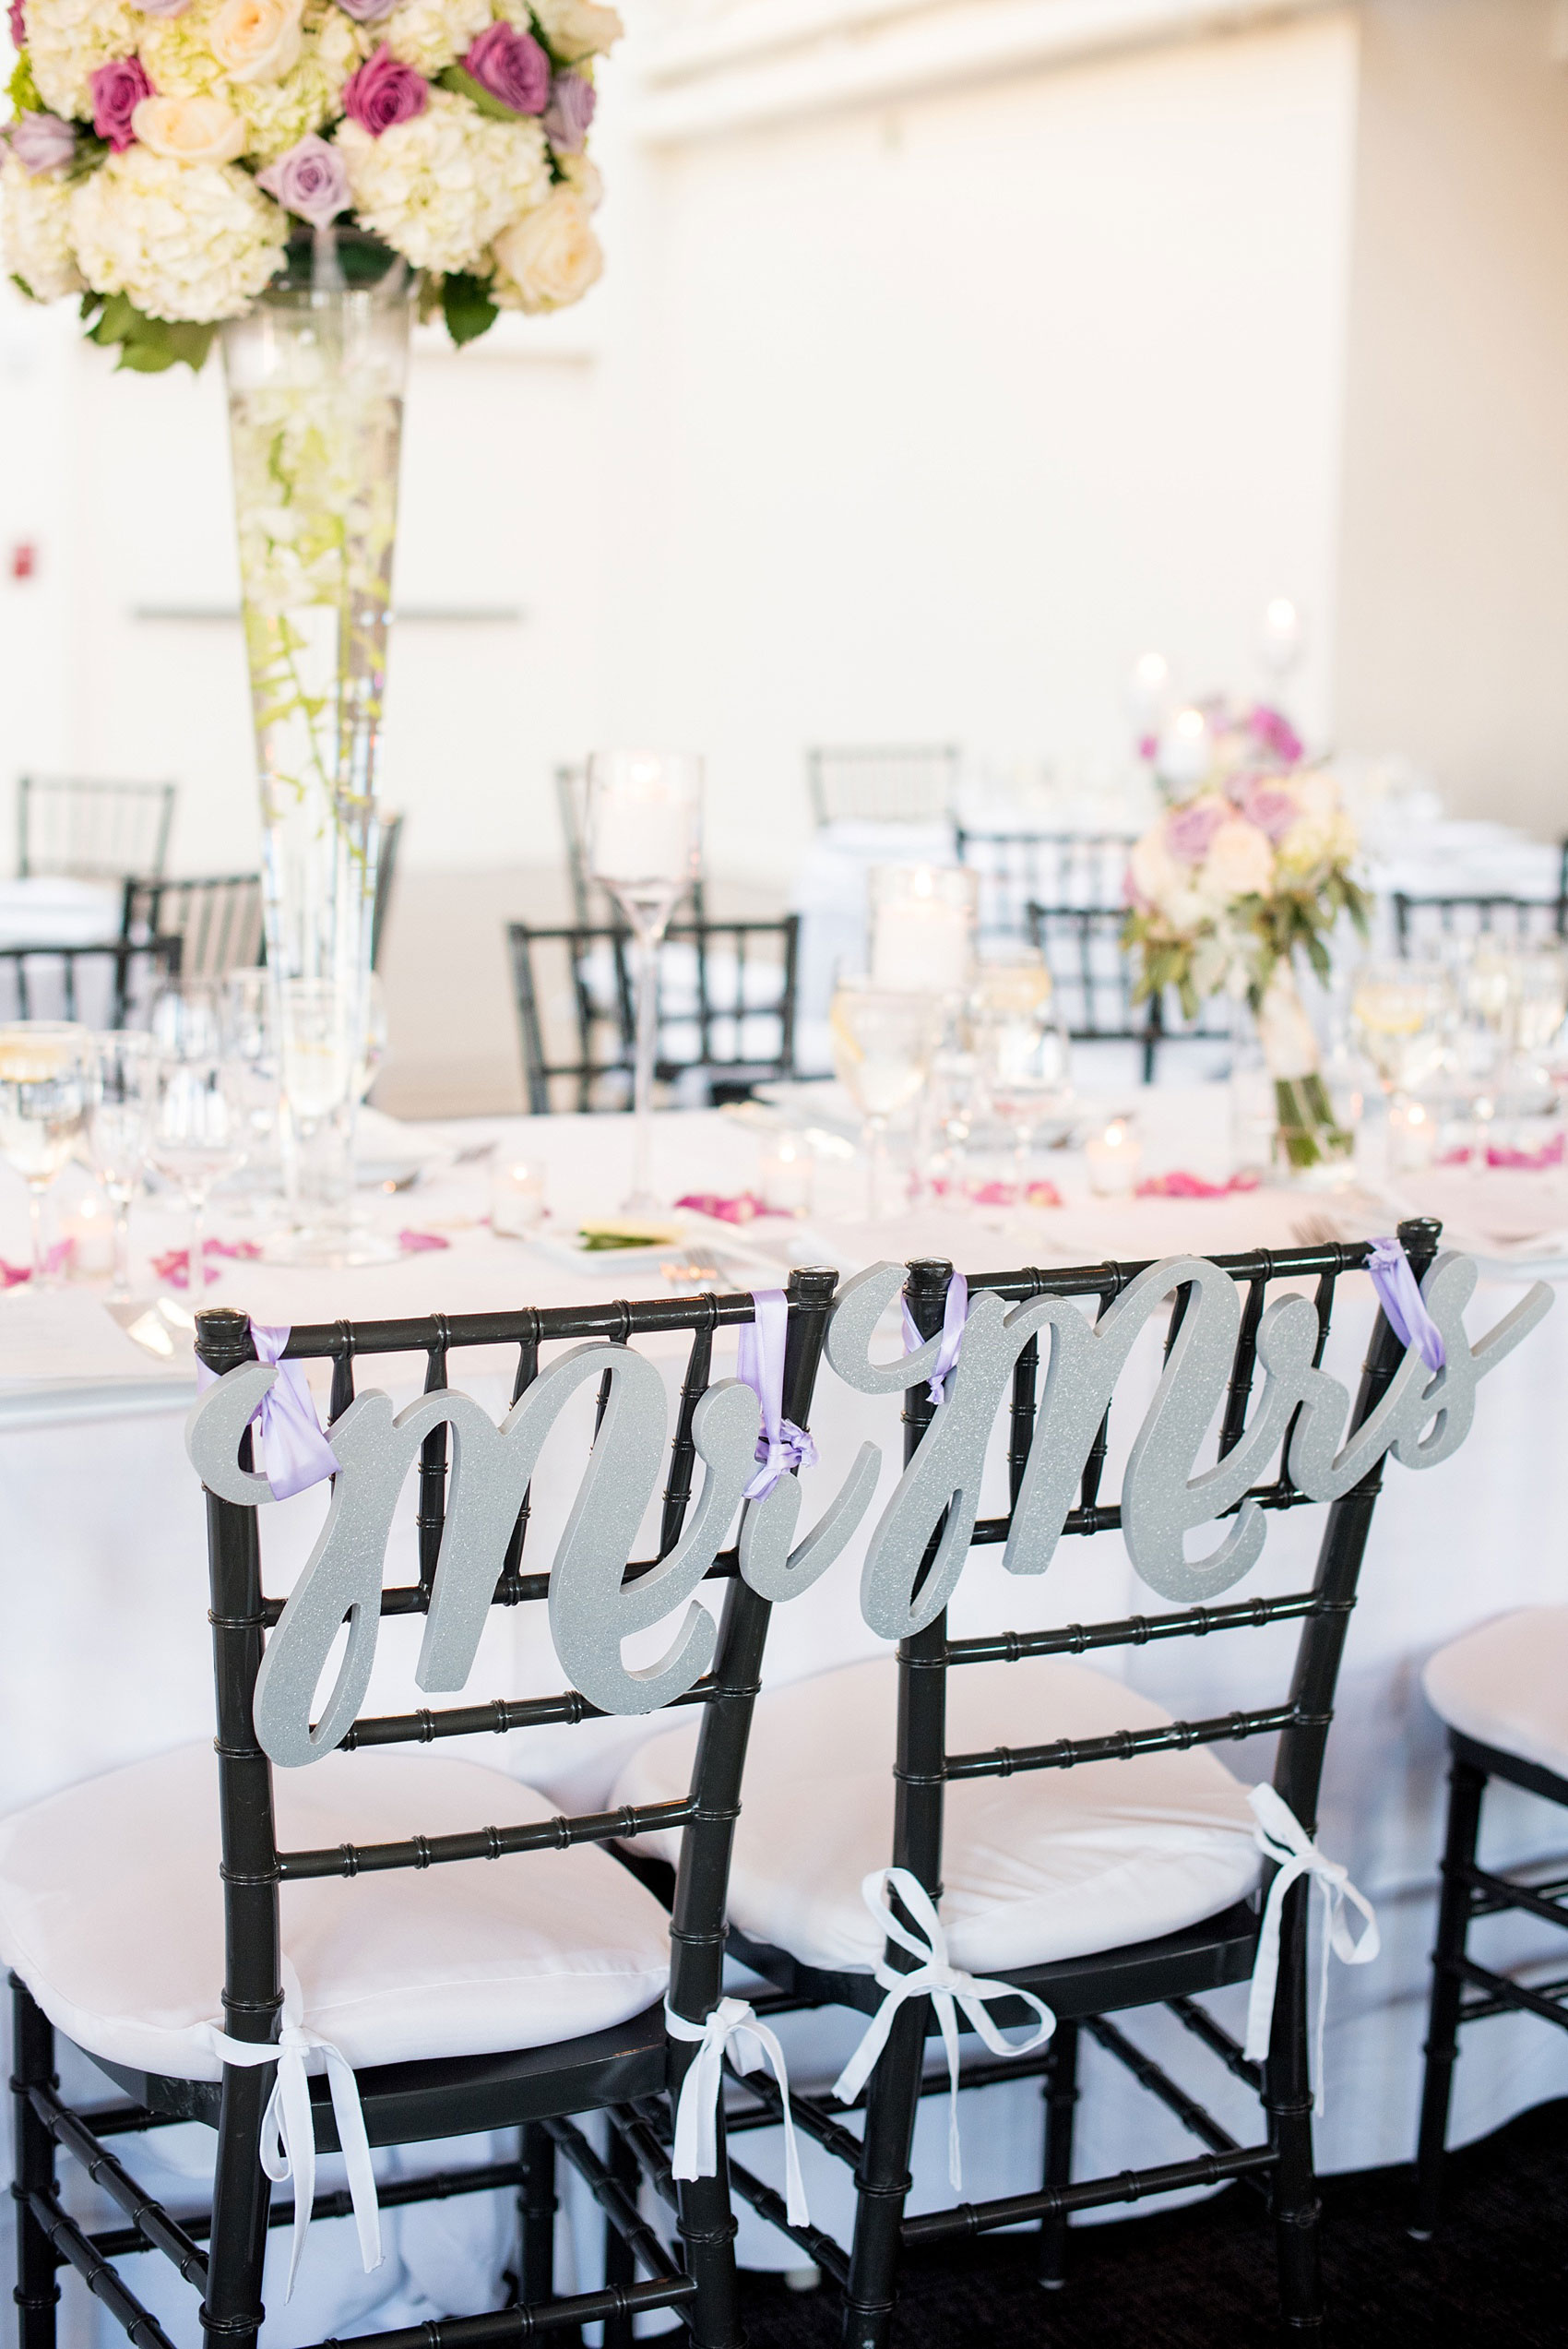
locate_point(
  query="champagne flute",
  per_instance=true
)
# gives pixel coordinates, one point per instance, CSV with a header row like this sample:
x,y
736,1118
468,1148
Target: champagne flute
x,y
198,1120
883,1040
645,848
1023,1053
46,1089
118,1134
249,1034
1397,1009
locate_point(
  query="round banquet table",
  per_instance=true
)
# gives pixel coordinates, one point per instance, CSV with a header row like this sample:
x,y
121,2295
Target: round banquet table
x,y
105,1654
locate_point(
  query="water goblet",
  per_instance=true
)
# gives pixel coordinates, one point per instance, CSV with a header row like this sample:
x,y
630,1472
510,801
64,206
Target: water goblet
x,y
1397,1009
1023,1054
47,1076
119,1130
197,1128
884,1039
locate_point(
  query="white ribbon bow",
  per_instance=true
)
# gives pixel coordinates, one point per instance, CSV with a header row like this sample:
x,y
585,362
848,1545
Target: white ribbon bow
x,y
288,2127
696,2114
948,1988
1282,1838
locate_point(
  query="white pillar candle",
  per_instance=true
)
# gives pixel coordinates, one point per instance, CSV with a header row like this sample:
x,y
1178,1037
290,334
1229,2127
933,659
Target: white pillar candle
x,y
1114,1157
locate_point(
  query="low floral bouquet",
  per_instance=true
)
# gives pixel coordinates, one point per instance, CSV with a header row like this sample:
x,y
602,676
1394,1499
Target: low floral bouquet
x,y
165,155
1225,888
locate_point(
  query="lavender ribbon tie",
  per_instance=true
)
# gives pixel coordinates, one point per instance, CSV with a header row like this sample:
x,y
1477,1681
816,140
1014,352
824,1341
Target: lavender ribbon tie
x,y
759,1364
1400,1296
293,1450
955,1313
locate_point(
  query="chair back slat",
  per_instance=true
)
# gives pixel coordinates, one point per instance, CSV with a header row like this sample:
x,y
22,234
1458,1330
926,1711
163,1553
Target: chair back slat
x,y
1016,869
89,830
870,785
217,918
1419,922
106,986
718,1020
430,1521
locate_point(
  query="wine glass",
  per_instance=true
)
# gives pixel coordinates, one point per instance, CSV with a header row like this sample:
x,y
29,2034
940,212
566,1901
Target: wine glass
x,y
1023,1052
46,1086
198,1116
118,1133
884,1039
1398,1010
645,848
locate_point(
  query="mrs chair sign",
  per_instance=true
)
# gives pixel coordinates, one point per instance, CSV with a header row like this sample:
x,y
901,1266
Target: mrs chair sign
x,y
485,1989
909,1827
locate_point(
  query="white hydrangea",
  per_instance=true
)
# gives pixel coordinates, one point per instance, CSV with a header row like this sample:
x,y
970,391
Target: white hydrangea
x,y
431,34
68,40
185,241
278,113
36,216
177,51
439,187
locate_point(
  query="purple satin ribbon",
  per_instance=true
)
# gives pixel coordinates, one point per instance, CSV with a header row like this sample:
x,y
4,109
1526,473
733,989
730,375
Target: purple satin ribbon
x,y
1401,1299
759,1365
293,1450
955,1313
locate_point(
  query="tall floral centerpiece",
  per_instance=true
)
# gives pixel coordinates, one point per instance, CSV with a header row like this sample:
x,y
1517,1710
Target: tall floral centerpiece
x,y
301,177
1249,864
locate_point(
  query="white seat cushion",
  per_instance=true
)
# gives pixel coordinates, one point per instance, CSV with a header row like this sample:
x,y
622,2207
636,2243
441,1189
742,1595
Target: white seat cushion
x,y
1507,1685
1042,1865
112,1912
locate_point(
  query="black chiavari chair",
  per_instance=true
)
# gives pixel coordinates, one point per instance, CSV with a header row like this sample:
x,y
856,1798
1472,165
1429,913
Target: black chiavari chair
x,y
89,830
217,919
163,1810
1424,923
917,785
103,987
726,1010
1017,870
1094,977
875,1746
1502,1693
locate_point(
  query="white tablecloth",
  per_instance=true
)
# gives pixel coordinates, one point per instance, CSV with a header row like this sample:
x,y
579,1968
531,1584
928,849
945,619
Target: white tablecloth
x,y
105,1651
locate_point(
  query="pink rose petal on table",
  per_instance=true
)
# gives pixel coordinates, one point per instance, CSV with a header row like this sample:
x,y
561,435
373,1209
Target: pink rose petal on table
x,y
419,1243
174,1266
1180,1184
741,1208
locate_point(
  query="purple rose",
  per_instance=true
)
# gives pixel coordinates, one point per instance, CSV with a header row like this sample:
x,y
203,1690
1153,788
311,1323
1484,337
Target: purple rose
x,y
384,93
309,180
118,89
1190,830
41,143
512,66
572,100
367,12
19,15
1273,732
160,7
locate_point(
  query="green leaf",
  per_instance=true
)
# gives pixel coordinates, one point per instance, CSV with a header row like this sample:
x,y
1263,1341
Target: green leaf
x,y
21,89
148,345
467,306
22,286
464,86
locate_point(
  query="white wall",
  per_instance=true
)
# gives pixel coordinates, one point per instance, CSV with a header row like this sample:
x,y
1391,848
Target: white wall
x,y
958,405
1454,600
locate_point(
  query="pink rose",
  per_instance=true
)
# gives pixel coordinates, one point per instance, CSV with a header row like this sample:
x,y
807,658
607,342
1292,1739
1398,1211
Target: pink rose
x,y
1190,830
41,143
18,16
309,180
512,66
384,92
570,112
118,89
1273,732
1273,808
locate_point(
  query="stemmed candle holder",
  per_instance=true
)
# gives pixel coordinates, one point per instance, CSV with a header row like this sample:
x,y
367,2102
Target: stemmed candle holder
x,y
645,848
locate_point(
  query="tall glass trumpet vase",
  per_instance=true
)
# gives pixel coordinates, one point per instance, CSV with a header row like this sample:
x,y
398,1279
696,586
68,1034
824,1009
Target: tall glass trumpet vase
x,y
645,848
316,374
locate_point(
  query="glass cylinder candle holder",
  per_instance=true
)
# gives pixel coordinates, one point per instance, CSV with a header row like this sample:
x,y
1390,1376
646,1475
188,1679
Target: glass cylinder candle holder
x,y
922,927
516,1197
1114,1156
786,1174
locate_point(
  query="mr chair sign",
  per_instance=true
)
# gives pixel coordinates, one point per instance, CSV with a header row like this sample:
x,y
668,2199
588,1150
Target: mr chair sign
x,y
593,1609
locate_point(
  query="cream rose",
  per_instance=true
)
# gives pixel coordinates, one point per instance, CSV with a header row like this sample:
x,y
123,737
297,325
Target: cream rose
x,y
258,39
549,257
1240,863
576,29
190,130
1164,883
